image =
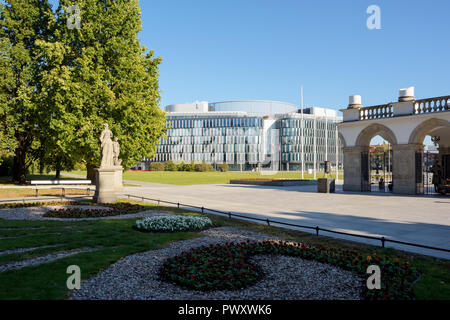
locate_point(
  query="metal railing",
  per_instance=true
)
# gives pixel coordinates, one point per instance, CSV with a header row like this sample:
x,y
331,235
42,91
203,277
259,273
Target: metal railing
x,y
268,221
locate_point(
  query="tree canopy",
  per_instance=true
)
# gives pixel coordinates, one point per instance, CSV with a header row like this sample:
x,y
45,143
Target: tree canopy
x,y
60,84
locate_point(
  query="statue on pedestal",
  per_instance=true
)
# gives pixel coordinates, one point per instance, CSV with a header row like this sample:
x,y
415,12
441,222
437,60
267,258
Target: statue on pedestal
x,y
106,147
109,175
116,152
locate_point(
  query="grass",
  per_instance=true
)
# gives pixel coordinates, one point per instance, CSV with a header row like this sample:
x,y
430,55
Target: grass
x,y
189,178
113,239
116,238
6,193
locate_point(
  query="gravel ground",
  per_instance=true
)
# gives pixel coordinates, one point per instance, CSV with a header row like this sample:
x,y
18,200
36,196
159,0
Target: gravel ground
x,y
136,277
36,213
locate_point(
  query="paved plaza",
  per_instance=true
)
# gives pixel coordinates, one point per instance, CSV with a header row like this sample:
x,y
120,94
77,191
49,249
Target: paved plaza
x,y
417,219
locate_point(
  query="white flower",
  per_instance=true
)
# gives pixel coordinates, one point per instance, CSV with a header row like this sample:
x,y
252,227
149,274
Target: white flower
x,y
173,223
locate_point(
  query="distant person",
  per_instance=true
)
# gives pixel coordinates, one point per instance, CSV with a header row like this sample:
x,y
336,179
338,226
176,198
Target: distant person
x,y
437,175
381,184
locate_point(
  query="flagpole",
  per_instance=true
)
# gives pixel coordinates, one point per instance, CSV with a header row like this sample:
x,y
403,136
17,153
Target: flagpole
x,y
301,133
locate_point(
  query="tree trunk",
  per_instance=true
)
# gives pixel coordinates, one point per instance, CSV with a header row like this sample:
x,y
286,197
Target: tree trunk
x,y
90,173
58,174
19,167
58,170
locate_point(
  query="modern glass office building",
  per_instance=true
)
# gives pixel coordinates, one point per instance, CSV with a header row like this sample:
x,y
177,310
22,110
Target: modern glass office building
x,y
250,135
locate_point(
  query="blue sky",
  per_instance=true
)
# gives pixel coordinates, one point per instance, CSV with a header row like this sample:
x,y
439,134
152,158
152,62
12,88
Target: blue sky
x,y
255,49
218,50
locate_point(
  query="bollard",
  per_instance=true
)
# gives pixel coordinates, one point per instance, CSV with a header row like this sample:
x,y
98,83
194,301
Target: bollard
x,y
203,210
382,242
317,230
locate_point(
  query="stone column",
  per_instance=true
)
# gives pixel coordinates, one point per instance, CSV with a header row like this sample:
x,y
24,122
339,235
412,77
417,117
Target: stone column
x,y
352,168
407,168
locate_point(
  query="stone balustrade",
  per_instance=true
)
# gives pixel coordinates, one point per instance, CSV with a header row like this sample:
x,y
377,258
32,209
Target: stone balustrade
x,y
437,104
376,112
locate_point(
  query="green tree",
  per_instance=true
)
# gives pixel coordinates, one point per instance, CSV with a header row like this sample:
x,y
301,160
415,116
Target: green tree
x,y
111,78
23,23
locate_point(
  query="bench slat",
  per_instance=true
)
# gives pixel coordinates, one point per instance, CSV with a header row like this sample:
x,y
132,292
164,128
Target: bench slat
x,y
60,182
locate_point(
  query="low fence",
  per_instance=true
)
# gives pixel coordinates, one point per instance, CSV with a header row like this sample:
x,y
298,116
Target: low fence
x,y
269,222
61,196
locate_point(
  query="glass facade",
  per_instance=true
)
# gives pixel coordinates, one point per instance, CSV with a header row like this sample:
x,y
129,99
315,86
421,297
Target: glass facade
x,y
321,141
236,136
214,139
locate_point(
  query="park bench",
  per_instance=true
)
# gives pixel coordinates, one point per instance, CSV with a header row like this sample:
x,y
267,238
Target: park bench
x,y
62,184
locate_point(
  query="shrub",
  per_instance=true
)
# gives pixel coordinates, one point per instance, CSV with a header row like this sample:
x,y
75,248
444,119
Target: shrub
x,y
223,167
6,166
116,209
222,267
157,166
173,223
170,166
203,167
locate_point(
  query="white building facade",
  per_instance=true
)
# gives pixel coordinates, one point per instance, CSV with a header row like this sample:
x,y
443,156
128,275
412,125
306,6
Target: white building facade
x,y
250,135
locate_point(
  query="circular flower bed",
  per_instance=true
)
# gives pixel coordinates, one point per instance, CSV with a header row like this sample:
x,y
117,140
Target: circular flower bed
x,y
173,223
36,204
115,210
221,267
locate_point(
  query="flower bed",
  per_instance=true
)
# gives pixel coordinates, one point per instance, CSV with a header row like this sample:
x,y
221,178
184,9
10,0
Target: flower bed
x,y
36,204
221,267
173,223
115,210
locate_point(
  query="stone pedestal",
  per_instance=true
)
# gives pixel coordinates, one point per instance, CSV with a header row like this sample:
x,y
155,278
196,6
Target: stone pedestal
x,y
352,168
105,191
118,184
407,168
325,185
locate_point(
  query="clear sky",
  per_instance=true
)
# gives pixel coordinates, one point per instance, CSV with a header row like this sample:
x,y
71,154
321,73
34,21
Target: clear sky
x,y
218,50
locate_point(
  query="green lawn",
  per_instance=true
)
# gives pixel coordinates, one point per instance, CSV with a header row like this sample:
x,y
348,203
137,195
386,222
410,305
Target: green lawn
x,y
187,178
115,239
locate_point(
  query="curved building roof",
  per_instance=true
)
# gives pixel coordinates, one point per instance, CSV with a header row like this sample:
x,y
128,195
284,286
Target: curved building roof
x,y
254,107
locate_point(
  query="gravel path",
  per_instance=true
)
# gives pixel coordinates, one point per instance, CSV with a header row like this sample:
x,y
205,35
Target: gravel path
x,y
36,213
42,259
136,276
22,250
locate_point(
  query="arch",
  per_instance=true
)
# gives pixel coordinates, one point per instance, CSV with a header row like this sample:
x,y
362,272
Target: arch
x,y
341,137
418,134
373,130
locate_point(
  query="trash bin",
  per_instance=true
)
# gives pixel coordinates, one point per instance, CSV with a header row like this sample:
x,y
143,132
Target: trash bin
x,y
325,185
